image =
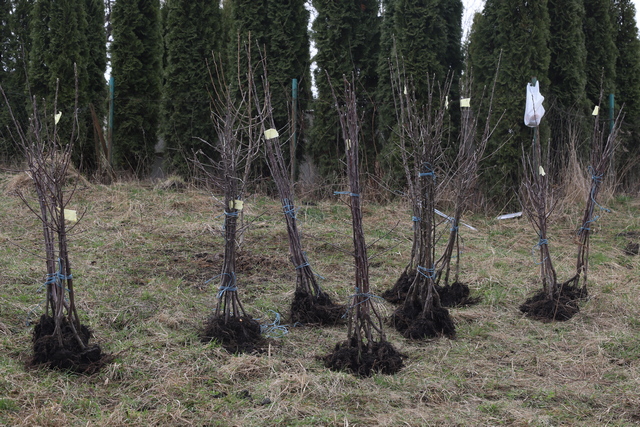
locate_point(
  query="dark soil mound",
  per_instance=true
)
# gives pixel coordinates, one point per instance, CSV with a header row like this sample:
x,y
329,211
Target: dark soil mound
x,y
562,307
48,351
383,358
455,295
398,293
306,308
414,324
237,335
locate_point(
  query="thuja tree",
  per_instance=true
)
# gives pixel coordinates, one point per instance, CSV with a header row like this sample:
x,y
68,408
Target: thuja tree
x,y
60,340
310,303
559,300
420,132
193,31
366,349
136,59
347,37
237,147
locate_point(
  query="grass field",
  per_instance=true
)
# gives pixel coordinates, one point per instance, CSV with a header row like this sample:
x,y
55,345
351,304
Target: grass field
x,y
141,255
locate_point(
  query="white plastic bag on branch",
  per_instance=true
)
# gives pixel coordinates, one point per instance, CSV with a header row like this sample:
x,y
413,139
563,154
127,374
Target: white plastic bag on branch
x,y
534,110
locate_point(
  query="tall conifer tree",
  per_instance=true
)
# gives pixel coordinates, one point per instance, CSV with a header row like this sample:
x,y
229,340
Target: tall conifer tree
x,y
136,55
519,35
347,36
628,77
426,37
193,36
602,52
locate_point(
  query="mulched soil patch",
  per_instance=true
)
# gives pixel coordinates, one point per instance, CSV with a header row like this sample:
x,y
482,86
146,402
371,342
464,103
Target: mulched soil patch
x,y
413,324
383,358
306,308
47,350
563,306
237,335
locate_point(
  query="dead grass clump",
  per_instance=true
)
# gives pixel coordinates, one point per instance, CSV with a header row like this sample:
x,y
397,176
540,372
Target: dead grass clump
x,y
173,182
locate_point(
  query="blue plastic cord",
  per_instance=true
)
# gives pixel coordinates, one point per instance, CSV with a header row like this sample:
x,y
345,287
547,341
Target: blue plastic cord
x,y
274,329
539,244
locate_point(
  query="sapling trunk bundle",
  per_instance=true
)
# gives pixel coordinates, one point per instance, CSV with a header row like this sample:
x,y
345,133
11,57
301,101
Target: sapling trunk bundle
x,y
236,147
559,300
464,179
420,130
310,303
60,340
366,349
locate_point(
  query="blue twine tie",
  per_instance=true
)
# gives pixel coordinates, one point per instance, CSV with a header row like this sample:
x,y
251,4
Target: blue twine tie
x,y
222,289
415,218
597,179
429,171
289,209
539,244
57,278
423,271
367,296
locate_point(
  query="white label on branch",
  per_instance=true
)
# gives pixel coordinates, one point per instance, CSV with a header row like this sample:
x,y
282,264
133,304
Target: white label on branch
x,y
541,171
465,103
270,134
57,116
596,110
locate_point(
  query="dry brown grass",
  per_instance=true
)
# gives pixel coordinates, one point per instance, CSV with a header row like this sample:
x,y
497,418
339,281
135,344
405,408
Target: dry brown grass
x,y
141,256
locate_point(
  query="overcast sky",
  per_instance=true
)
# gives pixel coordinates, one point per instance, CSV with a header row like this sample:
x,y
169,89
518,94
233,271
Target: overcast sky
x,y
473,6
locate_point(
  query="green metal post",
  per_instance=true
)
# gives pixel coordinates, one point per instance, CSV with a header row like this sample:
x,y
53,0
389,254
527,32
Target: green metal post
x,y
294,125
112,85
611,108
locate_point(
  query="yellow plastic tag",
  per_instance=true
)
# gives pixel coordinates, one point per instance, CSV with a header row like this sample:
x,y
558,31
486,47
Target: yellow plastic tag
x,y
446,102
465,103
270,134
541,171
405,90
70,215
348,144
236,204
596,110
57,116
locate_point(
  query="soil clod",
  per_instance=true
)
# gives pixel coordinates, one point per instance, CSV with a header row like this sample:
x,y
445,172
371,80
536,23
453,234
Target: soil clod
x,y
68,355
562,307
382,358
413,324
398,293
456,295
236,335
306,308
